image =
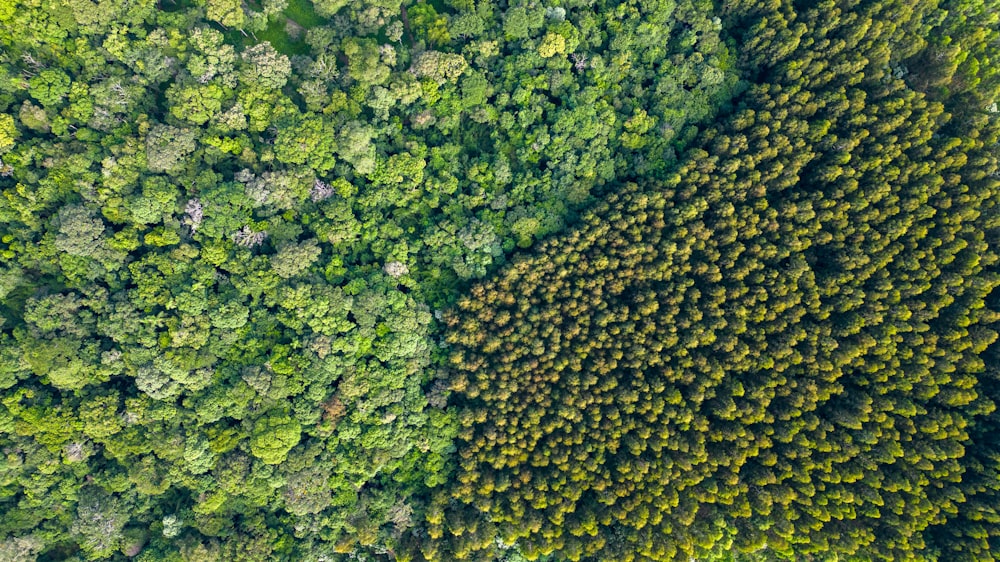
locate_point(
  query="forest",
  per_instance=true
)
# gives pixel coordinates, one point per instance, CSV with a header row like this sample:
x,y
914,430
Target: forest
x,y
499,280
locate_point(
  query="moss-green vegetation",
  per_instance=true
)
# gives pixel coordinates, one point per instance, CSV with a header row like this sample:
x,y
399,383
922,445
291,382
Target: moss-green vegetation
x,y
786,347
591,280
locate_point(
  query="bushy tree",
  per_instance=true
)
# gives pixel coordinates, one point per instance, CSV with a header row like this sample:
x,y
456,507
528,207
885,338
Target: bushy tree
x,y
293,259
167,148
273,436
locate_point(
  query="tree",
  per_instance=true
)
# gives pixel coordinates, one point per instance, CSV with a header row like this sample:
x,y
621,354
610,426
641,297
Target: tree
x,y
293,259
355,146
167,148
228,13
34,117
552,44
311,141
8,133
308,492
365,61
100,520
273,436
81,233
264,67
49,87
21,549
518,21
196,103
438,66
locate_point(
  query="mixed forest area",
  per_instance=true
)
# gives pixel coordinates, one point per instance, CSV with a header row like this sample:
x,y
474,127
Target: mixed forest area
x,y
499,280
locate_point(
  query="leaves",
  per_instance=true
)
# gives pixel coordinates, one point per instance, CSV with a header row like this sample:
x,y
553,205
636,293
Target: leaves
x,y
754,309
273,436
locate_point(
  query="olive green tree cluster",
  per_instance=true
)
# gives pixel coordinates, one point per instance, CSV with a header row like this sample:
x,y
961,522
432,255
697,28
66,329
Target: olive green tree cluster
x,y
786,346
225,226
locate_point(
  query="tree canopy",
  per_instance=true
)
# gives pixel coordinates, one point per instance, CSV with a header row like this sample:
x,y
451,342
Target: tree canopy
x,y
470,280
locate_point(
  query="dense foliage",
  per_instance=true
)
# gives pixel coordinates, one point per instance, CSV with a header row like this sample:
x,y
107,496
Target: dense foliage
x,y
256,302
785,344
225,227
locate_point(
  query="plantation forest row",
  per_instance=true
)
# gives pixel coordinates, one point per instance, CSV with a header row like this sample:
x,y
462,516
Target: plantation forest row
x,y
499,280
